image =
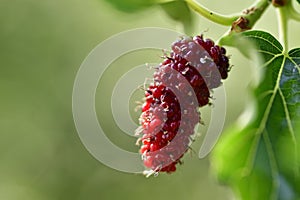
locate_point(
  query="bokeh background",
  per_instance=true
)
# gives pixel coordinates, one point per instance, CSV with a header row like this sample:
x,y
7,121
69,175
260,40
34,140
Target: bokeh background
x,y
42,44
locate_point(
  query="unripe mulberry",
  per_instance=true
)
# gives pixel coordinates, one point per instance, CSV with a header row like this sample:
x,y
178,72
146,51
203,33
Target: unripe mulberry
x,y
182,84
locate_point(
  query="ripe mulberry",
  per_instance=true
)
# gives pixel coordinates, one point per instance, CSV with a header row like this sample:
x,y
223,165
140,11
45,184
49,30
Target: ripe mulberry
x,y
181,85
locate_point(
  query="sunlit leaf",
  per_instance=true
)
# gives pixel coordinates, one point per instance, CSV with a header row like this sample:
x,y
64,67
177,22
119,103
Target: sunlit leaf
x,y
260,159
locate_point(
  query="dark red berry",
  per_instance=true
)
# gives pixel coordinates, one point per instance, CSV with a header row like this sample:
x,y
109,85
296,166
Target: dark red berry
x,y
182,83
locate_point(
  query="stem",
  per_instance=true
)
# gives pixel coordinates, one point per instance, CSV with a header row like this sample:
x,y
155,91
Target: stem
x,y
283,28
225,20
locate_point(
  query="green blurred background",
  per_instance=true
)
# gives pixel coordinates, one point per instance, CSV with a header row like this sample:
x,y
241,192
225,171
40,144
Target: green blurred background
x,y
42,44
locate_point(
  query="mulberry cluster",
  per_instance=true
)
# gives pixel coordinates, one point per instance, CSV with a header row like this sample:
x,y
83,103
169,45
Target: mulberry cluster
x,y
182,84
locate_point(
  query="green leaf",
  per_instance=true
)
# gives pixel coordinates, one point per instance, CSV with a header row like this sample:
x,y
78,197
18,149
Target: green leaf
x,y
298,1
260,158
178,10
131,5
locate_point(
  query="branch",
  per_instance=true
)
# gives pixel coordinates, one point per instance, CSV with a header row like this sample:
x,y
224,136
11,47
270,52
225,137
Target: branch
x,y
246,21
250,16
225,20
239,22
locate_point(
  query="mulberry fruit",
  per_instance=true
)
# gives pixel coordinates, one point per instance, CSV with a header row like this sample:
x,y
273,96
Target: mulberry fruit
x,y
182,84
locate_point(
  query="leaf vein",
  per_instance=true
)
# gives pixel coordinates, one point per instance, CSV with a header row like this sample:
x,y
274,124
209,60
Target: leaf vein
x,y
267,52
271,60
273,164
296,65
261,128
290,127
259,37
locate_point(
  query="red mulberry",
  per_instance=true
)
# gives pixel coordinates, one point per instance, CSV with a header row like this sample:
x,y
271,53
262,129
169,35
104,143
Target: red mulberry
x,y
182,83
